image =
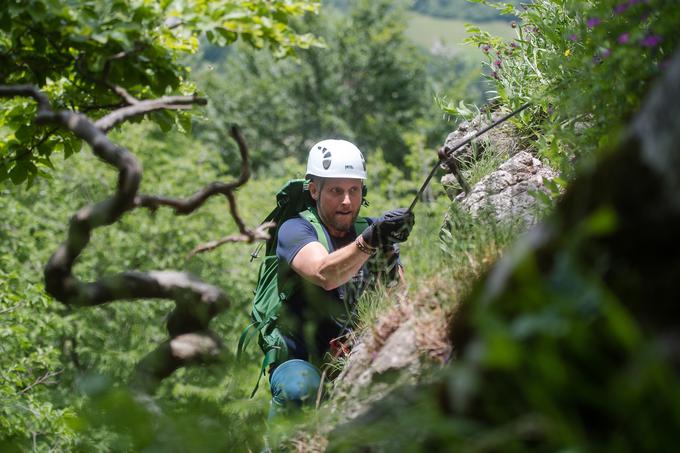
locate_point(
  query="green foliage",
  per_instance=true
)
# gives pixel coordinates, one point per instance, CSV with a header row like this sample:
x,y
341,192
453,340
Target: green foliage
x,y
585,65
370,86
557,361
88,352
63,372
73,51
342,90
87,355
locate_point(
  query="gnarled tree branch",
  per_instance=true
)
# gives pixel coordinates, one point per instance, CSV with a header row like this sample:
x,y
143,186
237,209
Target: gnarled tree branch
x,y
195,201
196,302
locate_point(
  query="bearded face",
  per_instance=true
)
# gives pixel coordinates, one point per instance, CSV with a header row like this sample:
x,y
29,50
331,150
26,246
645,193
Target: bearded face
x,y
338,201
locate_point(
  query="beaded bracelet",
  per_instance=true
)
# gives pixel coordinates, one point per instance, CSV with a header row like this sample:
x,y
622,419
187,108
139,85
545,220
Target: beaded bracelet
x,y
367,249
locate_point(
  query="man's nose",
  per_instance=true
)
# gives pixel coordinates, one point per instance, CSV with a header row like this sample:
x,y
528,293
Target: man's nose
x,y
346,199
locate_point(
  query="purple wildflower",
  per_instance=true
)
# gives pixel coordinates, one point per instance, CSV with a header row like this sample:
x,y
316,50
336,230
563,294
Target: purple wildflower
x,y
497,63
486,48
651,41
513,45
622,7
572,37
624,38
494,74
605,53
593,22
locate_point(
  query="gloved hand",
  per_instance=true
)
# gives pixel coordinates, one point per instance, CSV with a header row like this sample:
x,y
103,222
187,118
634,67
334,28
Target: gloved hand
x,y
393,226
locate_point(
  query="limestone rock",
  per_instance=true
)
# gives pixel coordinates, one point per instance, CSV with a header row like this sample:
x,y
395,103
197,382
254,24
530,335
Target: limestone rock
x,y
503,138
506,192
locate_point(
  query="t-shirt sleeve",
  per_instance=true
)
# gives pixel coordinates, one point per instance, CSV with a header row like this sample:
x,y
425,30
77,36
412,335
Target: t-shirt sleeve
x,y
294,234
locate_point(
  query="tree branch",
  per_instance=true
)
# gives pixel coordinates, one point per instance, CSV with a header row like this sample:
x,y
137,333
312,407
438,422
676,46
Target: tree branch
x,y
183,350
26,91
196,302
138,108
260,233
195,201
12,308
120,91
41,380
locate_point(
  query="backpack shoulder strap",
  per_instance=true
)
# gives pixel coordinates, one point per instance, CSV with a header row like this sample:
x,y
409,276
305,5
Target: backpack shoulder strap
x,y
360,224
312,217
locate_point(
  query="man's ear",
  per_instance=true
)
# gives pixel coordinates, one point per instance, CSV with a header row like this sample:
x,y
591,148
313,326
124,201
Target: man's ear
x,y
314,190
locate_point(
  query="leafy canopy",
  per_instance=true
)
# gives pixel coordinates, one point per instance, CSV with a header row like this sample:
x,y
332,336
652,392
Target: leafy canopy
x,y
76,51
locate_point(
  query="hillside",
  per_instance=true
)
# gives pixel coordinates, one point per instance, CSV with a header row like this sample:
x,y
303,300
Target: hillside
x,y
140,152
446,35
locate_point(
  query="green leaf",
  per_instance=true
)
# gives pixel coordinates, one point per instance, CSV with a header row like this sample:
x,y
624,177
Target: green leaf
x,y
71,146
24,133
19,173
164,120
184,121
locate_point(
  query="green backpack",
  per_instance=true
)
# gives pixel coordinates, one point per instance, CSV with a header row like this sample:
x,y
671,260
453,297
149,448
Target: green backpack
x,y
272,291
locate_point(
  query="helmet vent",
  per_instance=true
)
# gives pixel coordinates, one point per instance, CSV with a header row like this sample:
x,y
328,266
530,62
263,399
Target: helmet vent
x,y
326,159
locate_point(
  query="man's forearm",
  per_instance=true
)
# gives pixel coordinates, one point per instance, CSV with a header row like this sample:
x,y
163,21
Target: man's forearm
x,y
340,266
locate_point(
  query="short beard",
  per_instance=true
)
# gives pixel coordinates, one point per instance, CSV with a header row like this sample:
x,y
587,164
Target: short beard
x,y
331,222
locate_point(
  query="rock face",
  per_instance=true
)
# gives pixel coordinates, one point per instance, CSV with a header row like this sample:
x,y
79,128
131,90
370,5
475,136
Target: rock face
x,y
507,192
503,137
410,337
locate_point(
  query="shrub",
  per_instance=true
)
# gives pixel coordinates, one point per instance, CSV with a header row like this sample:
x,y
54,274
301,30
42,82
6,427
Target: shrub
x,y
585,65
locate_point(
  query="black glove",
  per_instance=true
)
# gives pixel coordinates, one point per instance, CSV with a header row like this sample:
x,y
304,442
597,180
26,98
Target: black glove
x,y
393,226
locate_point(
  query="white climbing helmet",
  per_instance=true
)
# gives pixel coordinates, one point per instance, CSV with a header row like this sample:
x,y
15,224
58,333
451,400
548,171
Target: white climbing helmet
x,y
336,159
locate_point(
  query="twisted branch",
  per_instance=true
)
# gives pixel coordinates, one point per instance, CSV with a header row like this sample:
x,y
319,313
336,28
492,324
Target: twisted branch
x,y
196,302
195,201
259,234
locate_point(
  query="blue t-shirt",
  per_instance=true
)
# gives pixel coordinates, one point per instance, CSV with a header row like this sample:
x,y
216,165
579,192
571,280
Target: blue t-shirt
x,y
312,316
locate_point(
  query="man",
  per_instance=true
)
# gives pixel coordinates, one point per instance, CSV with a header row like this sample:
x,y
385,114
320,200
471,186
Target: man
x,y
327,282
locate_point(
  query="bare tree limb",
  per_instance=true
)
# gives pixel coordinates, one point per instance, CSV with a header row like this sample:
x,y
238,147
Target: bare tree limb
x,y
27,91
183,350
195,201
196,302
41,380
120,91
12,308
260,233
138,108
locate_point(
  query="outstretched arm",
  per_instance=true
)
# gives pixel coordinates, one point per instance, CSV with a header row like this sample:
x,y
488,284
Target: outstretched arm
x,y
329,270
